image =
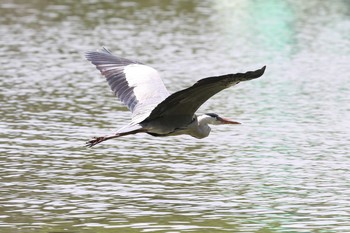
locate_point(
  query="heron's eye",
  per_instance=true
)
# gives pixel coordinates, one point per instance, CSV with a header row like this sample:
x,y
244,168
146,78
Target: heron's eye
x,y
213,115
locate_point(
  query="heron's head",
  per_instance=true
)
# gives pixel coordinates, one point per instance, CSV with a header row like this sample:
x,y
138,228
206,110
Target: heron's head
x,y
215,119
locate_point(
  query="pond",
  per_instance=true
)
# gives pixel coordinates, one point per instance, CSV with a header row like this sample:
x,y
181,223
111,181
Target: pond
x,y
285,169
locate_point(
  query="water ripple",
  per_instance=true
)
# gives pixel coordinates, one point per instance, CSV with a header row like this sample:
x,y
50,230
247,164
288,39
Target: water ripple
x,y
285,169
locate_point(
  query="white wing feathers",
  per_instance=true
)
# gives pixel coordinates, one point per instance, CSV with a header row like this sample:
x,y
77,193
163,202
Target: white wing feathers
x,y
138,86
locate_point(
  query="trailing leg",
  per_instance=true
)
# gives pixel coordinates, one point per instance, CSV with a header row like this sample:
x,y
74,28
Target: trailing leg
x,y
97,140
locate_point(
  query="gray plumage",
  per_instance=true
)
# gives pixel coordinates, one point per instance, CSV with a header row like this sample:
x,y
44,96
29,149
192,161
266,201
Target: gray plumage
x,y
112,68
131,92
154,111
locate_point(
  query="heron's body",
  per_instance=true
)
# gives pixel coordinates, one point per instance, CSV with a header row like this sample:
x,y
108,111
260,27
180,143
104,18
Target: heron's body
x,y
154,110
195,128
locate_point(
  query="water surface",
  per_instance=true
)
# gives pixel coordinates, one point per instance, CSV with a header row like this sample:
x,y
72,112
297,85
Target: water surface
x,y
285,169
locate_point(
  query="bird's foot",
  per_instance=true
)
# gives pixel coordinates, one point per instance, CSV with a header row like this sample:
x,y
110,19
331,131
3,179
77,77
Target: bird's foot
x,y
94,141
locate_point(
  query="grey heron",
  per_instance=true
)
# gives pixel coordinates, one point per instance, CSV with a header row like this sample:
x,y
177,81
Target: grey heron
x,y
154,110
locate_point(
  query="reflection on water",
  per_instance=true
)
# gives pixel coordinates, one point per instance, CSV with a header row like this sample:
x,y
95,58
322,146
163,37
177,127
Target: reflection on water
x,y
284,170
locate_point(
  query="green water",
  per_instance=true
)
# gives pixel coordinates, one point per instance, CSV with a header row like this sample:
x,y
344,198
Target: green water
x,y
285,169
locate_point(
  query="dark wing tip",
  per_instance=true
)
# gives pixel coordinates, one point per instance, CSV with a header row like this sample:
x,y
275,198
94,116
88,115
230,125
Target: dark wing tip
x,y
260,72
90,55
251,74
257,73
104,57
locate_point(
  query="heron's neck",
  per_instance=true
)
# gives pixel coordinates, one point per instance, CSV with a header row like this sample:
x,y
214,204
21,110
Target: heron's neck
x,y
200,127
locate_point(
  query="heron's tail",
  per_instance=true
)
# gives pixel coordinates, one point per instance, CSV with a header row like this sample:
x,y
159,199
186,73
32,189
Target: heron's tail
x,y
128,128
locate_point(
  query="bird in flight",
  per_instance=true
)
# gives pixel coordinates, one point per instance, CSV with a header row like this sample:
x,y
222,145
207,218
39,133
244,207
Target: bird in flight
x,y
154,110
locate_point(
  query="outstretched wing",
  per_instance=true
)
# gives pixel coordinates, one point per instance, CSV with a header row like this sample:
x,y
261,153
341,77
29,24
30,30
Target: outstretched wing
x,y
138,86
186,102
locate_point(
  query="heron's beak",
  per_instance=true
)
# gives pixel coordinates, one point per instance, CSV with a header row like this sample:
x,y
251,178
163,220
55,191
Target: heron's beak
x,y
227,121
